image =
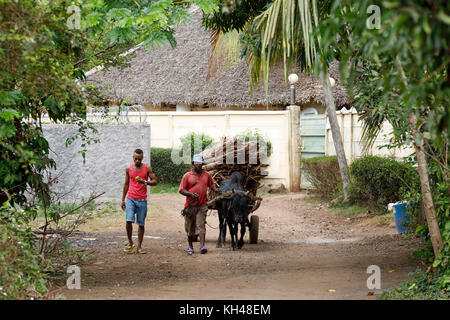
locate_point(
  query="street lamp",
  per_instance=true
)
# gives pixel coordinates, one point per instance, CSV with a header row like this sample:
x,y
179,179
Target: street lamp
x,y
332,82
293,79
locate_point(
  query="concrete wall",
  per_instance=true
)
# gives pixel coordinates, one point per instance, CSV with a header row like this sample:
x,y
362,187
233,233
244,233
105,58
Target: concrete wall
x,y
104,168
351,132
168,127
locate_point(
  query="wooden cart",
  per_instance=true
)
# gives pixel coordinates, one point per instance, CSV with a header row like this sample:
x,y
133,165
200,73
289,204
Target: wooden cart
x,y
217,159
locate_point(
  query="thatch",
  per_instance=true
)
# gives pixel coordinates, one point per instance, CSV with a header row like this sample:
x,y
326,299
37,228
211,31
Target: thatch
x,y
178,76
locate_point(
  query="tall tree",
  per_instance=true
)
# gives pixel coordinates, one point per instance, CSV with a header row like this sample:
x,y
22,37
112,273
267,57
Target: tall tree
x,y
397,70
284,32
45,48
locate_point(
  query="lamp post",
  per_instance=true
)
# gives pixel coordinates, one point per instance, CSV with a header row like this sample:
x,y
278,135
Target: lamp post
x,y
332,82
294,128
293,79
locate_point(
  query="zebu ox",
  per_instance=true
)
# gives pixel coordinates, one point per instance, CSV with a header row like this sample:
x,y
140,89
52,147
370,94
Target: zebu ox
x,y
232,210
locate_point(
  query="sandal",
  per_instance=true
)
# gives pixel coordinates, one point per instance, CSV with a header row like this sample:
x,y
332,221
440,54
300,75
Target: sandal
x,y
203,250
129,249
140,251
190,250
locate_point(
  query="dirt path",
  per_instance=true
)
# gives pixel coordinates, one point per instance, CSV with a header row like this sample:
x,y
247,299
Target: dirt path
x,y
305,252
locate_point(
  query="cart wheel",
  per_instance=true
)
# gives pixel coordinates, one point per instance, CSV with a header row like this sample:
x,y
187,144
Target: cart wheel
x,y
254,228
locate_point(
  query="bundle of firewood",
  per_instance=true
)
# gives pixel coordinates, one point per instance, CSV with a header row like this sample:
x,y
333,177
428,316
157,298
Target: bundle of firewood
x,y
229,155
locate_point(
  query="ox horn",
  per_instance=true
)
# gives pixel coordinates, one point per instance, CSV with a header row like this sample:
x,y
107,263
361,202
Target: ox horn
x,y
220,197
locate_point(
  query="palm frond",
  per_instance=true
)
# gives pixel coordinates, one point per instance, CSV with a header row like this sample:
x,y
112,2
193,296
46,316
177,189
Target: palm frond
x,y
225,52
372,126
286,30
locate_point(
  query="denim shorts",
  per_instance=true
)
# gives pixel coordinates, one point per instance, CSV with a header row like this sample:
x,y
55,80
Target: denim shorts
x,y
138,208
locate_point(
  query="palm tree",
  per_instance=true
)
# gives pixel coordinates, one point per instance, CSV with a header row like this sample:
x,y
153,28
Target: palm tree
x,y
286,30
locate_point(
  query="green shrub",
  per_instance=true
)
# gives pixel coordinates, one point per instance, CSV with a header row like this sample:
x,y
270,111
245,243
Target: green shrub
x,y
434,283
440,182
20,274
441,198
165,170
323,174
380,181
249,135
420,287
190,140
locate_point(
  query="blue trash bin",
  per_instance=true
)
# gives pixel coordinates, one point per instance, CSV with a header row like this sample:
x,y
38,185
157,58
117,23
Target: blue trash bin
x,y
402,216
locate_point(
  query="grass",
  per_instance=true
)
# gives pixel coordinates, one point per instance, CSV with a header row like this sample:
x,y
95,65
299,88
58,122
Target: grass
x,y
164,189
312,200
261,193
105,222
157,212
340,208
106,216
381,220
115,219
343,209
348,211
376,218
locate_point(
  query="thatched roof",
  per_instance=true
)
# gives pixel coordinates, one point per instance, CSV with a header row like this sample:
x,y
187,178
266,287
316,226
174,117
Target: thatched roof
x,y
178,76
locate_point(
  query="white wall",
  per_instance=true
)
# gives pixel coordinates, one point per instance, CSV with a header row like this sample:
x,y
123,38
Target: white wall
x,y
351,132
167,127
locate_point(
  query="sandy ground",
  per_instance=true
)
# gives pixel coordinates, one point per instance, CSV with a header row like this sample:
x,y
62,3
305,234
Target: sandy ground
x,y
305,251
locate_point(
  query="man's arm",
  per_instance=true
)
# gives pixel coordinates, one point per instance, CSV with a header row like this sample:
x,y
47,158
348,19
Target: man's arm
x,y
212,184
186,193
182,190
126,185
152,176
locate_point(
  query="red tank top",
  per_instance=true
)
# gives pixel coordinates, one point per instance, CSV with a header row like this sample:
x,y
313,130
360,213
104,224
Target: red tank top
x,y
136,190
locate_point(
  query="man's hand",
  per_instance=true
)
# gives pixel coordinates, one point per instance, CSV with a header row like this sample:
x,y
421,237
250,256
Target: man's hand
x,y
140,180
194,195
123,205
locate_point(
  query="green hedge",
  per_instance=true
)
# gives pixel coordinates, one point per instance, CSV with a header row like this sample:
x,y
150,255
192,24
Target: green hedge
x,y
323,174
380,181
189,141
165,170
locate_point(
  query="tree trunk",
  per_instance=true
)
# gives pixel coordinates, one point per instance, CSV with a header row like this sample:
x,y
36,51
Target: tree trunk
x,y
335,131
430,212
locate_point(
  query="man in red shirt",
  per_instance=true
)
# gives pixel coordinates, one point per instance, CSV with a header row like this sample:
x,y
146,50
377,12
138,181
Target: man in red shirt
x,y
135,191
194,186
